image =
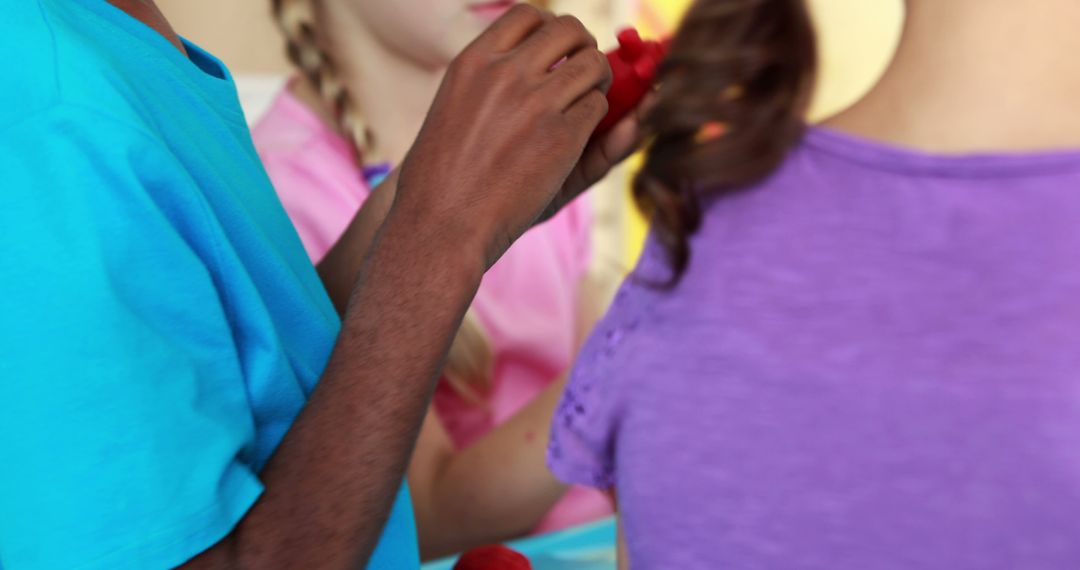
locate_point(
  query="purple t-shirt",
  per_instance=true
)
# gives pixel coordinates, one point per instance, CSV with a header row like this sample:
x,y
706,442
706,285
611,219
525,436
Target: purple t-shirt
x,y
872,362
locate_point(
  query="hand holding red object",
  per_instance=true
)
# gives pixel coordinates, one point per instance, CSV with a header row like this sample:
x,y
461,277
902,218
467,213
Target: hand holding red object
x,y
634,66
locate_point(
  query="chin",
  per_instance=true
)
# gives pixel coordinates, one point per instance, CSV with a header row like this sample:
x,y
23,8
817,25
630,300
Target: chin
x,y
455,43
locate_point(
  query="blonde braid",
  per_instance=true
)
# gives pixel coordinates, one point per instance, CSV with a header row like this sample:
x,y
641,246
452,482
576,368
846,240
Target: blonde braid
x,y
297,21
470,363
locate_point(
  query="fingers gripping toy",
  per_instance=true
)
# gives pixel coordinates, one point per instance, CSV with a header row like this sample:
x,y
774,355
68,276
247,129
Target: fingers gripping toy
x,y
634,66
492,558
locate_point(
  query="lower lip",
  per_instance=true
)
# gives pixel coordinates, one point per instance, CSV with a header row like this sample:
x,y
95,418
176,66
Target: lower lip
x,y
491,11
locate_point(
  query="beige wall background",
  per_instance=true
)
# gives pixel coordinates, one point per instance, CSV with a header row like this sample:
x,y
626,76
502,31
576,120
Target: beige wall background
x,y
243,35
240,32
857,38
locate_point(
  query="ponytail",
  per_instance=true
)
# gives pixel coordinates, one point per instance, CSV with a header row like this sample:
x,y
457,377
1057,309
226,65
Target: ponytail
x,y
733,97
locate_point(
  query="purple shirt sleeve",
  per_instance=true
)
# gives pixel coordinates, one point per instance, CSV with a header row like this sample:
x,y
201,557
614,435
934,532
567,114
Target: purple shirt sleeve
x,y
585,426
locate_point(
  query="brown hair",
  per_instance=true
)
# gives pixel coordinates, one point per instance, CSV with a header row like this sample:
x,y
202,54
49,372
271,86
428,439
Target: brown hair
x,y
469,366
734,92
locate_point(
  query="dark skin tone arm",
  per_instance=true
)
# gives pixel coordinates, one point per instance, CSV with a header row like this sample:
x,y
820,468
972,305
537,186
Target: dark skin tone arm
x,y
341,265
519,490
476,179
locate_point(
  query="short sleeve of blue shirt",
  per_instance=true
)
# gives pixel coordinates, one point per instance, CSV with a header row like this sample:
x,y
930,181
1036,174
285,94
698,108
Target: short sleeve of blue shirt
x,y
160,325
123,423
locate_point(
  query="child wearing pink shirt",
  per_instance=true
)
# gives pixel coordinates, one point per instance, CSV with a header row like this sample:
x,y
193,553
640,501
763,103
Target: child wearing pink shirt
x,y
478,473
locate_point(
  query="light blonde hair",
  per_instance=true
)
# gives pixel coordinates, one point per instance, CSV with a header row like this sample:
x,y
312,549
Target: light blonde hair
x,y
470,364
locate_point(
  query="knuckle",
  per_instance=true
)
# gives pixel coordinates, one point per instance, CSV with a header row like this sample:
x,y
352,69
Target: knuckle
x,y
564,22
596,103
499,69
599,63
572,26
527,13
546,32
574,71
467,63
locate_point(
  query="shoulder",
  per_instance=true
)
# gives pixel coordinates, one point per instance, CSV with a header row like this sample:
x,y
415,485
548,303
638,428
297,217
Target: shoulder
x,y
300,153
634,320
577,215
66,53
287,126
68,136
73,171
27,37
808,186
613,366
75,144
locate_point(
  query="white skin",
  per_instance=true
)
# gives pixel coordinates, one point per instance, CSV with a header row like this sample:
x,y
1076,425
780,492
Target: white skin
x,y
392,61
976,76
392,55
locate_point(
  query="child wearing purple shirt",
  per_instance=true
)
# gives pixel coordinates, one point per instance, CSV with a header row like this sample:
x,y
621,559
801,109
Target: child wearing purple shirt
x,y
843,353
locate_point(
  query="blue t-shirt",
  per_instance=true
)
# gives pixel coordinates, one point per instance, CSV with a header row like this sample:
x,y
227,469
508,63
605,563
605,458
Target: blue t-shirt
x,y
161,326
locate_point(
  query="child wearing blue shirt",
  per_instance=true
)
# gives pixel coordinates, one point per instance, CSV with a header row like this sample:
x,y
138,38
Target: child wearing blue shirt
x,y
183,327
162,329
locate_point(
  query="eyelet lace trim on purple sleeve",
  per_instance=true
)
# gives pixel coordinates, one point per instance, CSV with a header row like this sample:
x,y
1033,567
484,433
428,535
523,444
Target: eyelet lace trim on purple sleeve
x,y
591,367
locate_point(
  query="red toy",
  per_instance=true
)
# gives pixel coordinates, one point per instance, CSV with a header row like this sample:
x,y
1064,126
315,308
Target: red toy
x,y
634,65
492,558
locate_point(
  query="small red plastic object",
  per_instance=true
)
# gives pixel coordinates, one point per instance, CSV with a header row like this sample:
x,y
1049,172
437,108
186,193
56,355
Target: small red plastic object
x,y
492,558
634,65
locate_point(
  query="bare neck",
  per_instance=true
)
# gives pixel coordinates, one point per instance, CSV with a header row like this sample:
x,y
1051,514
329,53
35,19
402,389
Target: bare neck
x,y
392,92
147,12
978,75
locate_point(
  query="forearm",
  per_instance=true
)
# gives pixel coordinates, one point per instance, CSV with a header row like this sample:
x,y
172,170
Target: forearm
x,y
495,490
333,480
622,553
499,488
341,265
468,195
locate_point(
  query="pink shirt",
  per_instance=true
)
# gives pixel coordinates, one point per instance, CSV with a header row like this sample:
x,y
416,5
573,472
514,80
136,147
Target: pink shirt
x,y
527,302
